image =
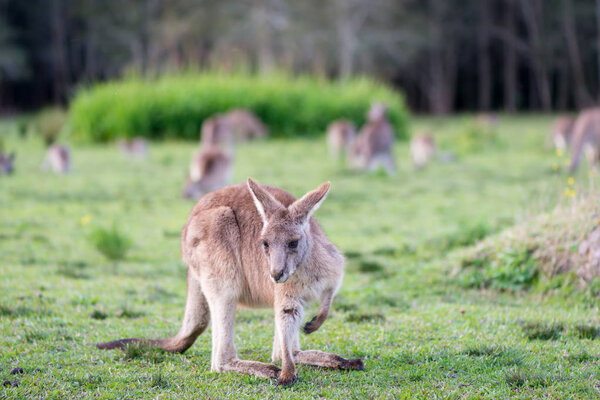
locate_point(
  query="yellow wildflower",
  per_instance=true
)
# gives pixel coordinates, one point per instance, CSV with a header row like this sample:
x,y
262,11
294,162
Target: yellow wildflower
x,y
570,192
559,152
571,181
555,167
85,220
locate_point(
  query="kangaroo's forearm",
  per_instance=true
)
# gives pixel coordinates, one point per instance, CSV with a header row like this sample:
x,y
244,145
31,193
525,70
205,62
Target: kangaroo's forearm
x,y
316,322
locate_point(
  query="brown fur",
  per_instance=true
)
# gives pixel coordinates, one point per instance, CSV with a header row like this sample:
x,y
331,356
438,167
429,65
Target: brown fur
x,y
210,169
562,132
216,132
340,137
134,148
6,163
586,137
489,120
422,149
58,158
373,146
245,125
239,246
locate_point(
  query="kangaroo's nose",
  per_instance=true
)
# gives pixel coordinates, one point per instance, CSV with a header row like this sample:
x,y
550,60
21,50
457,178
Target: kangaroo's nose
x,y
277,277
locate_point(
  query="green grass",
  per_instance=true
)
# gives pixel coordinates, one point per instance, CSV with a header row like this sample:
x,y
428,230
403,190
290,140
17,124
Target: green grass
x,y
421,333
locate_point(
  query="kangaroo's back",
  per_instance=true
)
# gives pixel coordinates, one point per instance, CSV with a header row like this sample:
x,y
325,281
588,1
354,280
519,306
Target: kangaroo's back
x,y
586,134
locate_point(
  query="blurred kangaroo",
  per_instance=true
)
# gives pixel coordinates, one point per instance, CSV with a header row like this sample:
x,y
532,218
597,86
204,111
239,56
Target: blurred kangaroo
x,y
562,132
586,138
58,158
256,246
134,148
210,170
422,149
487,119
373,146
245,125
7,162
216,131
340,137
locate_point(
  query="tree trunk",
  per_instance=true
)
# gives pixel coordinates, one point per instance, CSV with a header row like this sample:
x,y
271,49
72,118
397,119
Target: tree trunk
x,y
582,96
510,61
598,47
483,56
60,64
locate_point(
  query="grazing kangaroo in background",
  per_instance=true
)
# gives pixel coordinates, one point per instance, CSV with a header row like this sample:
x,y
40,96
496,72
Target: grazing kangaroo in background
x,y
216,131
134,148
245,125
256,246
562,133
340,137
58,158
7,163
586,138
422,149
210,170
489,120
373,146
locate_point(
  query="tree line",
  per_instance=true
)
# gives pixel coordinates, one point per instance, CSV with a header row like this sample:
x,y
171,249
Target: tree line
x,y
445,55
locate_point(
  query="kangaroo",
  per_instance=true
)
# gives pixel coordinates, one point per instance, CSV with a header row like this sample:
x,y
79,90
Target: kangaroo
x,y
210,170
562,132
58,158
257,246
245,125
422,149
487,119
7,162
134,148
586,137
373,146
340,137
216,131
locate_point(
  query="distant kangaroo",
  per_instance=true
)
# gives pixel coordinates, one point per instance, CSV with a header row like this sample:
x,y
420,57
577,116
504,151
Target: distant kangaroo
x,y
210,170
216,131
340,137
373,146
245,125
562,132
256,246
586,138
58,158
6,163
422,149
134,148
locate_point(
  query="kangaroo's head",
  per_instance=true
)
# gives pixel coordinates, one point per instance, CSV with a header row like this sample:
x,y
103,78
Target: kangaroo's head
x,y
285,236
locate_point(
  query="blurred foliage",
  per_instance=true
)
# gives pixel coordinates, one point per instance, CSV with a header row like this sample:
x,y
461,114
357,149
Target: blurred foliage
x,y
111,242
175,106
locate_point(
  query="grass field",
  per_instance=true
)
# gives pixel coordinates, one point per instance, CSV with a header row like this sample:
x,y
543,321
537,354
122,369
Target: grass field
x,y
420,333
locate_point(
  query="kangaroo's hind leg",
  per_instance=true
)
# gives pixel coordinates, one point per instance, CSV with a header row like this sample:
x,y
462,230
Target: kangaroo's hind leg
x,y
224,358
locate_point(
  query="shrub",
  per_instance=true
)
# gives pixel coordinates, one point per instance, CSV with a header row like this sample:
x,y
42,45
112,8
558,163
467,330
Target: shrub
x,y
110,242
175,106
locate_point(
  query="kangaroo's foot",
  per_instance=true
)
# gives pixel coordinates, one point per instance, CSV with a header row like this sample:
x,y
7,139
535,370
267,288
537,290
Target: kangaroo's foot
x,y
255,368
328,360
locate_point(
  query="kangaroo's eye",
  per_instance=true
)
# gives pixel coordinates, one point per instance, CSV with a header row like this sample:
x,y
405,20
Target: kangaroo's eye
x,y
266,244
293,244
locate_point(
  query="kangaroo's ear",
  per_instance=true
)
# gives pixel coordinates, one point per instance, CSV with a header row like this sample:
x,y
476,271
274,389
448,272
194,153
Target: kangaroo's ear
x,y
265,203
304,207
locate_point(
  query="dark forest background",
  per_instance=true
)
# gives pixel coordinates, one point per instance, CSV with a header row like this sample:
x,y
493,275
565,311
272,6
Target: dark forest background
x,y
445,55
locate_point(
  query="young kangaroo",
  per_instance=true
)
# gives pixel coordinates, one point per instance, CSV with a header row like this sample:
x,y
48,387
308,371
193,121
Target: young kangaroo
x,y
245,125
216,131
562,132
58,158
340,136
373,146
256,246
7,163
422,149
210,170
586,137
134,148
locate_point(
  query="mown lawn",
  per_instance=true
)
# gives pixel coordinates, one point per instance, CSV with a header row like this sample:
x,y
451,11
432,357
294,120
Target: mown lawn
x,y
420,334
